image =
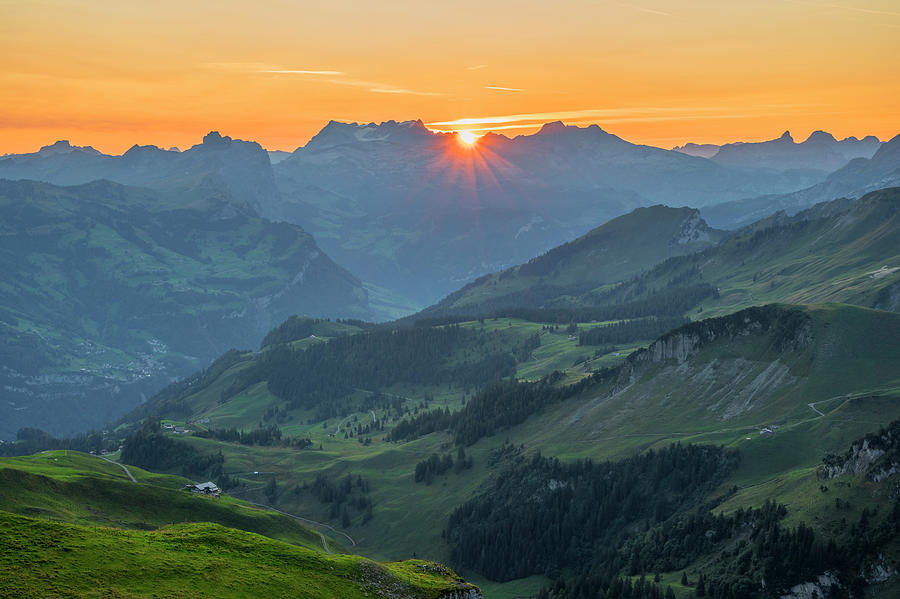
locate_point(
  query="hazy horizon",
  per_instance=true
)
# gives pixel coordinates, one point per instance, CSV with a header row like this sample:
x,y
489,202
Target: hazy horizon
x,y
111,76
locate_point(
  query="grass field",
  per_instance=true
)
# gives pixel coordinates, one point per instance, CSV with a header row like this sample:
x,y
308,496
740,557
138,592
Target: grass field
x,y
44,559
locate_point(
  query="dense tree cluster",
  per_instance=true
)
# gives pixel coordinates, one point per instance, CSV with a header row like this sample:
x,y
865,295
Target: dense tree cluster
x,y
31,440
341,495
436,465
151,449
630,330
497,406
267,436
592,527
548,305
301,327
587,586
542,516
292,329
379,358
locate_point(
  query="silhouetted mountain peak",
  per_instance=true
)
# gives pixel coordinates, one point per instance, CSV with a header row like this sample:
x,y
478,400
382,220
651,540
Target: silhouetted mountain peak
x,y
550,128
214,138
337,133
64,147
820,137
139,149
786,136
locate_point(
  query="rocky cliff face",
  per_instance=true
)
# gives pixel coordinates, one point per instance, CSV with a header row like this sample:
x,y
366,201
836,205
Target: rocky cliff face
x,y
790,328
731,384
876,457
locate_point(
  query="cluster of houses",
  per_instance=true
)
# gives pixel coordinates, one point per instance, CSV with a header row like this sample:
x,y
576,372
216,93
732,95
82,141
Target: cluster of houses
x,y
768,430
181,430
175,429
207,488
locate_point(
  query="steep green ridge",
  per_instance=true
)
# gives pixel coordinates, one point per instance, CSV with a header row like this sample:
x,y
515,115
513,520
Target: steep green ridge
x,y
834,252
612,252
111,291
204,560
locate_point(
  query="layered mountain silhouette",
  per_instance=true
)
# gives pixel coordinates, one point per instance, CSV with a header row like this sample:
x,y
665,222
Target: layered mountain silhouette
x,y
856,178
819,152
239,168
416,214
415,211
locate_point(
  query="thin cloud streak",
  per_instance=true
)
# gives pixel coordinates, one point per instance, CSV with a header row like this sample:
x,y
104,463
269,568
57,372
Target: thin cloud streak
x,y
651,11
503,89
663,113
338,78
400,90
870,11
631,119
477,67
299,72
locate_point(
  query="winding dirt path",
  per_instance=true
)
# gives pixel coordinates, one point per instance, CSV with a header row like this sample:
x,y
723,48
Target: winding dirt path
x,y
122,466
302,519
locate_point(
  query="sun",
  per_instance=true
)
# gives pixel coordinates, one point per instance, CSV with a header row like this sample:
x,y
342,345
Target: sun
x,y
467,137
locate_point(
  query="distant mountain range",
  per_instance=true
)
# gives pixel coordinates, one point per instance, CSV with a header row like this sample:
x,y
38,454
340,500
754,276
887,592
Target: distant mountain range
x,y
821,152
416,212
856,178
241,168
109,291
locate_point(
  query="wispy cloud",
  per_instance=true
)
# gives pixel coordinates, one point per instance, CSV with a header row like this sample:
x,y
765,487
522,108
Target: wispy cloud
x,y
335,78
620,115
503,89
400,90
870,11
476,67
559,115
299,72
859,9
650,11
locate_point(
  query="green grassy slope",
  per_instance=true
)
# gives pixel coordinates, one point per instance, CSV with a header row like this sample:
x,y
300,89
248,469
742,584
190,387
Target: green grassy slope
x,y
41,558
79,488
851,254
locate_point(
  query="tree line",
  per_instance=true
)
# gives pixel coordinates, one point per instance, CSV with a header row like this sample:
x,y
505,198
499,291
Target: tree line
x,y
630,330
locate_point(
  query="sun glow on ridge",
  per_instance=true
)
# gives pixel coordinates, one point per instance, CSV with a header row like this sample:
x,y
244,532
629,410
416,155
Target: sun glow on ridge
x,y
467,137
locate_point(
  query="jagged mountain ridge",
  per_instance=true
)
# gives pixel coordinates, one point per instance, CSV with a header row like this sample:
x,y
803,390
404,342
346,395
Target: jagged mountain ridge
x,y
856,178
240,168
820,151
393,201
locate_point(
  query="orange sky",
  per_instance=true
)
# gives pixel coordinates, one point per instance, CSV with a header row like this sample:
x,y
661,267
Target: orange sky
x,y
111,73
